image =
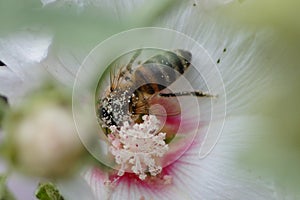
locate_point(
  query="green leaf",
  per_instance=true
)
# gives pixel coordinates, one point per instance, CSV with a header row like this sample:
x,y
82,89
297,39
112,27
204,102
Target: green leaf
x,y
48,191
5,194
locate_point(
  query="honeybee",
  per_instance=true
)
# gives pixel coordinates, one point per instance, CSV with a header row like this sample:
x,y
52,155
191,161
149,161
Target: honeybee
x,y
133,90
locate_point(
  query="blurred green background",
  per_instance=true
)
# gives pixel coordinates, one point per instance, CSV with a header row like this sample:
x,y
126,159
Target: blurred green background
x,y
277,153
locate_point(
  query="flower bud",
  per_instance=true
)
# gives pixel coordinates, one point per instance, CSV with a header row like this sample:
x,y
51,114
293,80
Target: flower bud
x,y
41,138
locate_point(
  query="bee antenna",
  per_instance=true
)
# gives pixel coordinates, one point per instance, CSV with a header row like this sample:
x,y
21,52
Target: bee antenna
x,y
133,58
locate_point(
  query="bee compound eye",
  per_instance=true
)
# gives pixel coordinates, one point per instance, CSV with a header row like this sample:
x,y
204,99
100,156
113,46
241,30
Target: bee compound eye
x,y
103,113
105,116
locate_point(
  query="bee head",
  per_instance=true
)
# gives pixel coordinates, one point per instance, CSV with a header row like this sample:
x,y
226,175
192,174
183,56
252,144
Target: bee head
x,y
105,114
113,109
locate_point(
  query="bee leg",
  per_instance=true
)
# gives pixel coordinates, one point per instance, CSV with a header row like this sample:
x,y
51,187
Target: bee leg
x,y
107,131
193,93
133,58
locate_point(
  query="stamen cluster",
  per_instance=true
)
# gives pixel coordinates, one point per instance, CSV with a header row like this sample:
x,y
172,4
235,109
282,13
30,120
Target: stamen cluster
x,y
136,147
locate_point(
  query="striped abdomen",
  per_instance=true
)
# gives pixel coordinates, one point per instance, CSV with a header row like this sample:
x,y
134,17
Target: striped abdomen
x,y
160,71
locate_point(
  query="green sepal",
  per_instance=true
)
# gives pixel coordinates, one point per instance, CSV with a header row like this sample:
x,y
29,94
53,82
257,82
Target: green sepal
x,y
48,191
5,193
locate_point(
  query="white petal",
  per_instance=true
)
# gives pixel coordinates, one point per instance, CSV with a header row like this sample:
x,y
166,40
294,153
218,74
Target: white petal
x,y
243,66
11,85
118,6
136,191
245,63
15,87
22,187
218,176
130,190
95,178
20,51
45,2
75,188
63,64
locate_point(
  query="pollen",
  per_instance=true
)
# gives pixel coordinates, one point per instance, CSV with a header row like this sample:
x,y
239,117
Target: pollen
x,y
137,147
114,108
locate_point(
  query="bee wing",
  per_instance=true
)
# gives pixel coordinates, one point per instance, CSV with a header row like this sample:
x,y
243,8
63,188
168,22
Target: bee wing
x,y
163,106
117,71
113,75
133,59
159,106
116,74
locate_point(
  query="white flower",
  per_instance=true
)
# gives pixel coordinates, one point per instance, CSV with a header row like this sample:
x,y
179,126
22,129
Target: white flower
x,y
239,56
217,176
